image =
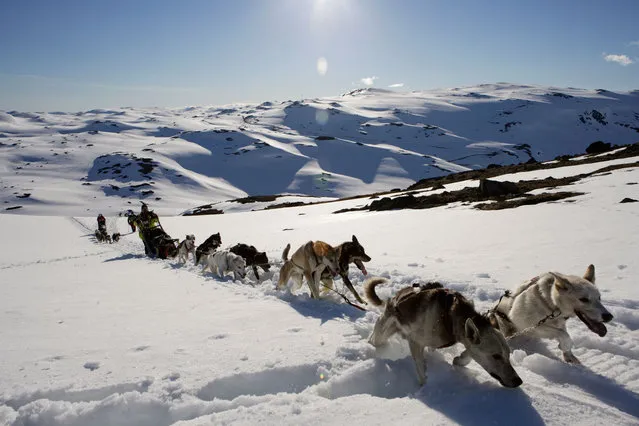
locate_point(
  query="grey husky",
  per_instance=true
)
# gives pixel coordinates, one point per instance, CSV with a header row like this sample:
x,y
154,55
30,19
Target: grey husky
x,y
435,317
541,306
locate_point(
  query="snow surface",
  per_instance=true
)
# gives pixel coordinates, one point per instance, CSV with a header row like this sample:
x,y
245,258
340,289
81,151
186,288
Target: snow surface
x,y
365,141
97,334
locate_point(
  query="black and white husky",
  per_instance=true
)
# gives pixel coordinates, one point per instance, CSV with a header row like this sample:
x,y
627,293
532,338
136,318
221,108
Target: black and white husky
x,y
185,247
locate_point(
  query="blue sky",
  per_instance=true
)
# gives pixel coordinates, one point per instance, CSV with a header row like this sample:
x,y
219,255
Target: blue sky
x,y
81,54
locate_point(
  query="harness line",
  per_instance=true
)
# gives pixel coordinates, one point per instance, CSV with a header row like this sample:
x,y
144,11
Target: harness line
x,y
555,313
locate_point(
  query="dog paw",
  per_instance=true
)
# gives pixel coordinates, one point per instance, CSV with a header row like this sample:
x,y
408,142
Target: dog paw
x,y
570,358
91,365
461,361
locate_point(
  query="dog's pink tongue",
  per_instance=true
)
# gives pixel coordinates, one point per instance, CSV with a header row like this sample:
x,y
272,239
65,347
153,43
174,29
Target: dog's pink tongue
x,y
361,267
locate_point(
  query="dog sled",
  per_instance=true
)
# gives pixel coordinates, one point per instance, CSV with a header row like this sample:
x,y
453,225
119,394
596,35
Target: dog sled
x,y
159,243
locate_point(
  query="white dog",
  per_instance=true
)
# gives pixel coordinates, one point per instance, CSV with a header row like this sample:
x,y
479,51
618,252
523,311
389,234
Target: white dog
x,y
542,305
224,261
185,247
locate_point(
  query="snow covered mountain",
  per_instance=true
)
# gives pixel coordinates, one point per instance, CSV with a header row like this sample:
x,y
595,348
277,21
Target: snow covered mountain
x,y
364,141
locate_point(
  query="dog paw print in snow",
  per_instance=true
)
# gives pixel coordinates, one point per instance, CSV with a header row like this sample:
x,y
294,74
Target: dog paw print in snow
x,y
92,365
219,336
171,377
141,348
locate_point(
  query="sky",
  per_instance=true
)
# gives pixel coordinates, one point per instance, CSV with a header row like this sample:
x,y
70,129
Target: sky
x,y
72,55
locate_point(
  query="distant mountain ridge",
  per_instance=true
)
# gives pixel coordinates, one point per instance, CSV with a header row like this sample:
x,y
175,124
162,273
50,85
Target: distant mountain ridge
x,y
364,141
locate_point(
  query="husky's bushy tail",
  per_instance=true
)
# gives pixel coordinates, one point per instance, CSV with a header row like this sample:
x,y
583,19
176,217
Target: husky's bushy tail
x,y
285,252
369,291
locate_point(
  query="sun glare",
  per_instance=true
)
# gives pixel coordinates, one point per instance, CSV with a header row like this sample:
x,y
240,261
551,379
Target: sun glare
x,y
322,66
326,8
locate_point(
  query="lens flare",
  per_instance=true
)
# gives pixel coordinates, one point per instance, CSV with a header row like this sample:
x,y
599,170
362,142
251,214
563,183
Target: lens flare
x,y
322,66
321,116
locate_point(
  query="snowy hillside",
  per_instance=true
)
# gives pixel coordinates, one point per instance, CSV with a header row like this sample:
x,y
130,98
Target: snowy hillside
x,y
98,334
361,142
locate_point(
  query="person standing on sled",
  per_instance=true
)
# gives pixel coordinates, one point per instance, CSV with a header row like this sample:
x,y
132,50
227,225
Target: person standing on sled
x,y
101,223
147,220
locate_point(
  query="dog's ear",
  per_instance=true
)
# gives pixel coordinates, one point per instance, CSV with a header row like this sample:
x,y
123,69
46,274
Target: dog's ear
x,y
590,274
355,240
561,283
472,332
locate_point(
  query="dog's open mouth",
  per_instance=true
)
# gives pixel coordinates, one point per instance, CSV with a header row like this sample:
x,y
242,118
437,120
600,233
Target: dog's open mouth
x,y
361,267
594,326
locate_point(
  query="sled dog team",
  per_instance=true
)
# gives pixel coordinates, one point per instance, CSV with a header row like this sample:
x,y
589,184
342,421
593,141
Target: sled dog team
x,y
429,315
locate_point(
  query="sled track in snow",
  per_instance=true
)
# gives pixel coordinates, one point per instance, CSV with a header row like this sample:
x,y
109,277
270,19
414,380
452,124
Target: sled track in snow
x,y
55,260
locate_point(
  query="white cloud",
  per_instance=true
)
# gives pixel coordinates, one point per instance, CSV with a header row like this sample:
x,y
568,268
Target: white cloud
x,y
634,43
368,81
397,85
620,59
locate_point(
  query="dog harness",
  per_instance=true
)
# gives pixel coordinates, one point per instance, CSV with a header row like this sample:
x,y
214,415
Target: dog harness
x,y
314,255
554,313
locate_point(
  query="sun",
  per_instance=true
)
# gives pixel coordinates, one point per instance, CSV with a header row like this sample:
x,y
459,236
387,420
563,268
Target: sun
x,y
324,8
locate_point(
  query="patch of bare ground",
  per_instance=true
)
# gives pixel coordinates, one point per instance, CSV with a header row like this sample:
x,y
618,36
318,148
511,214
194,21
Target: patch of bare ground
x,y
504,195
528,200
203,211
496,170
288,204
255,198
563,161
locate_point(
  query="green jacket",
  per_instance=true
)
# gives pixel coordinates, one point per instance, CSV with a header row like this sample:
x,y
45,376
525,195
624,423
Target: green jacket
x,y
146,222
